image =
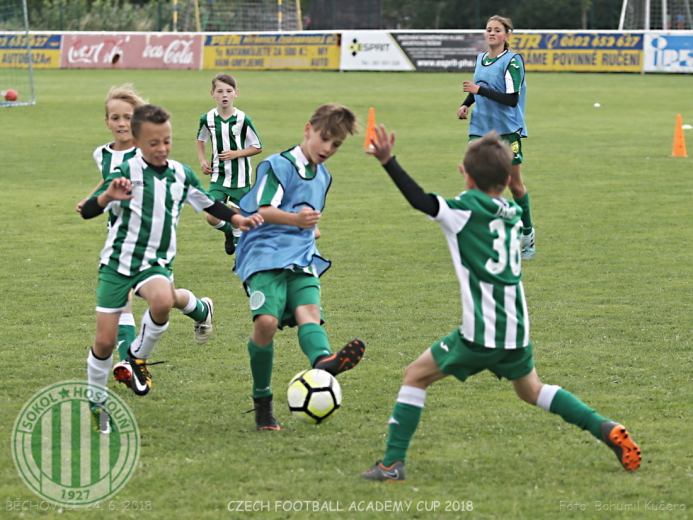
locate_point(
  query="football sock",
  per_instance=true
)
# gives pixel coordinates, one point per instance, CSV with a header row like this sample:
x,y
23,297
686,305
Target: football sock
x,y
196,308
126,334
97,374
225,227
236,235
261,359
523,202
403,423
554,399
149,336
313,341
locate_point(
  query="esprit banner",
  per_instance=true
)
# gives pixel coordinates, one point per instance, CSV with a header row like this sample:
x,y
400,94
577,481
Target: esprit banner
x,y
131,51
670,51
297,51
45,51
372,50
579,52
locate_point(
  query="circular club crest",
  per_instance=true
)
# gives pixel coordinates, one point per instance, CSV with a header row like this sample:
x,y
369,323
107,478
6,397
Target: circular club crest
x,y
61,457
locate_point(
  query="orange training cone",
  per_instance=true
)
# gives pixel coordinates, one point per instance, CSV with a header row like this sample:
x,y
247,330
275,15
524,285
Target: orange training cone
x,y
679,142
370,129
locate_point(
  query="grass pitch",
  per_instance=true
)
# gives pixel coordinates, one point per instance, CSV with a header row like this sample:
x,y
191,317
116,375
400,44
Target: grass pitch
x,y
609,294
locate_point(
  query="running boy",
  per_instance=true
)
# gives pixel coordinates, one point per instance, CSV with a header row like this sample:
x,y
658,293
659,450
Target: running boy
x,y
146,195
279,263
483,234
120,104
234,142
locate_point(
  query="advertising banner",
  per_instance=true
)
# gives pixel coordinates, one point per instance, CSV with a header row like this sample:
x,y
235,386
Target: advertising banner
x,y
132,51
297,51
45,51
579,52
669,52
441,52
372,50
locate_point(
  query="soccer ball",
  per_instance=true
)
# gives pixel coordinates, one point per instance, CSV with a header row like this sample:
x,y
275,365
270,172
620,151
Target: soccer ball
x,y
313,395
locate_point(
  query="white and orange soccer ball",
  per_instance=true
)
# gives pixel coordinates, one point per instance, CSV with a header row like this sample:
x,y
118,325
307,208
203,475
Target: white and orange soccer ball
x,y
313,396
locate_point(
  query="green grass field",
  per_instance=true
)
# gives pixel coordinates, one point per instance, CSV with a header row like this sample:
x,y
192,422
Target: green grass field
x,y
609,294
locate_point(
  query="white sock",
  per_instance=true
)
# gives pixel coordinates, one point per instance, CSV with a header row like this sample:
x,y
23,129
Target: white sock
x,y
237,232
220,225
97,375
546,395
412,395
127,319
192,302
149,336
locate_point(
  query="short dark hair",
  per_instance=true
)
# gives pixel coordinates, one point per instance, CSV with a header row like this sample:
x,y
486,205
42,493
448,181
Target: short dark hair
x,y
147,114
224,78
488,161
334,120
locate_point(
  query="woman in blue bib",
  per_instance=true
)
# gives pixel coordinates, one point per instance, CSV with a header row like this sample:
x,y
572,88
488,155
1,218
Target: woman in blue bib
x,y
499,90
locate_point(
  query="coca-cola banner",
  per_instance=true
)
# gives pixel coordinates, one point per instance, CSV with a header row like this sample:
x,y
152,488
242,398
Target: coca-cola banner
x,y
131,51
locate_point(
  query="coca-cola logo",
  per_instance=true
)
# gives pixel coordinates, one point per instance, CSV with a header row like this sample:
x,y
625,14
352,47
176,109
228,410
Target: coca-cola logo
x,y
102,52
177,52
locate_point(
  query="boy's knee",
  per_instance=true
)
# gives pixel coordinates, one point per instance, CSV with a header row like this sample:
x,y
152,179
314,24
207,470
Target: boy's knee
x,y
411,377
529,394
266,324
160,307
104,344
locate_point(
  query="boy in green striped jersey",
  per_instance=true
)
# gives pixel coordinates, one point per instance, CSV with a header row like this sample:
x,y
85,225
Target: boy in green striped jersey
x,y
483,233
234,142
120,104
146,194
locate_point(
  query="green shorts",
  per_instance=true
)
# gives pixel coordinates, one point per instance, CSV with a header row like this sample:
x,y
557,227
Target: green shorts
x,y
227,195
278,292
458,357
515,143
112,291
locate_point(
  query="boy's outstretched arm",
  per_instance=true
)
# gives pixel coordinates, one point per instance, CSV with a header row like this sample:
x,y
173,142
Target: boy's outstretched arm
x,y
415,195
118,189
223,212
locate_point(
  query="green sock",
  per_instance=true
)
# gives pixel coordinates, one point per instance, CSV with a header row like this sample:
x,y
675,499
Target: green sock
x,y
576,412
226,228
126,335
405,418
523,202
200,311
261,366
313,341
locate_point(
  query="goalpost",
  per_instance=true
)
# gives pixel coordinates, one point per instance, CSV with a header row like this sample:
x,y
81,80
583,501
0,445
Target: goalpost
x,y
16,71
667,15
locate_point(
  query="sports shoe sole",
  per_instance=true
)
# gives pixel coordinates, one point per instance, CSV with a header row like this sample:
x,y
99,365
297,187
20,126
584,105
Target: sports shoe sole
x,y
619,440
123,375
346,359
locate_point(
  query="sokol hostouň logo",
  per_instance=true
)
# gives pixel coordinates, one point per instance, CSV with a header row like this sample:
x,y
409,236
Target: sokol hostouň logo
x,y
61,457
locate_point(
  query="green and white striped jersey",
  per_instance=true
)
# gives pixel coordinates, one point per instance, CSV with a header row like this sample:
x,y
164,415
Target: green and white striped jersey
x,y
107,158
483,234
513,75
235,133
144,232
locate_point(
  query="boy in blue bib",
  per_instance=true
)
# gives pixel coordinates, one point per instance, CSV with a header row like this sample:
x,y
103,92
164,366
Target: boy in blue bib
x,y
279,263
